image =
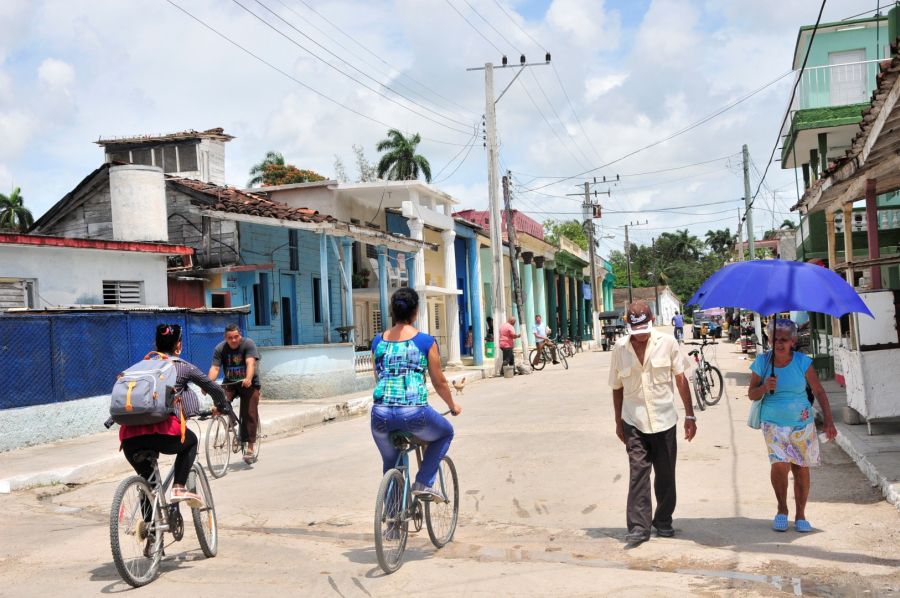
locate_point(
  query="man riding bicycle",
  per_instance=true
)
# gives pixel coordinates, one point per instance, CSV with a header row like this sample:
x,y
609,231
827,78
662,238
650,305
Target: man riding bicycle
x,y
542,336
678,323
239,356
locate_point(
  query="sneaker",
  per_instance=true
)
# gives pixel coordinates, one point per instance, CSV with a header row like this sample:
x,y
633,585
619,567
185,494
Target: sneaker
x,y
426,492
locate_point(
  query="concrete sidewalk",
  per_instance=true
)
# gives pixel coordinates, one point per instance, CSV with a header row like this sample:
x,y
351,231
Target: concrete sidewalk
x,y
88,458
877,455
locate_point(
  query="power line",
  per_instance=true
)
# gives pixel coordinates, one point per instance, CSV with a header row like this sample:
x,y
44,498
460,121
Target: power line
x,y
558,117
552,128
489,24
633,174
686,129
392,69
345,74
788,111
294,79
477,30
468,150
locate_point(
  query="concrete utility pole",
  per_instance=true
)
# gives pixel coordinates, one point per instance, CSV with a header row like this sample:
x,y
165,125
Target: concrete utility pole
x,y
588,210
740,240
514,269
628,263
655,275
748,214
498,282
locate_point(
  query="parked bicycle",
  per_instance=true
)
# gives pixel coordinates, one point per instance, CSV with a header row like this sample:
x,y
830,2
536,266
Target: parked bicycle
x,y
140,516
546,357
223,438
565,347
707,380
396,507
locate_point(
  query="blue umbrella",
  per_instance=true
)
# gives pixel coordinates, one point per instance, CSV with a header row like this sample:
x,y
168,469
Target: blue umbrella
x,y
772,286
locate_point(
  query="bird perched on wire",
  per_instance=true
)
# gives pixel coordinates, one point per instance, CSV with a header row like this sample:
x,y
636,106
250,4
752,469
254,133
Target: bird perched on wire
x,y
459,385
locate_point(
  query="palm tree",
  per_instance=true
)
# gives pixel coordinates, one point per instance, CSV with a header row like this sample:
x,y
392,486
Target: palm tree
x,y
401,162
258,171
719,241
788,224
680,245
13,213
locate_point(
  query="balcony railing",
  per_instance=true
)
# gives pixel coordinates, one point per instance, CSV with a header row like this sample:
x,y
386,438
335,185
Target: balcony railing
x,y
836,85
363,362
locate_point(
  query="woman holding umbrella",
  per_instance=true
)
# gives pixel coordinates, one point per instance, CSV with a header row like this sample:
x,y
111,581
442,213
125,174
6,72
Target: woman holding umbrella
x,y
779,379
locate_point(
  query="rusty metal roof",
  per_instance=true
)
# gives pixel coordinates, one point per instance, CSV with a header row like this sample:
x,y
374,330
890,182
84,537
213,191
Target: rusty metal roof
x,y
216,133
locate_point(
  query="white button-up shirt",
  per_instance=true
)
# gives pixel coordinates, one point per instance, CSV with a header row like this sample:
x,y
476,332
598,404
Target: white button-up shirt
x,y
648,390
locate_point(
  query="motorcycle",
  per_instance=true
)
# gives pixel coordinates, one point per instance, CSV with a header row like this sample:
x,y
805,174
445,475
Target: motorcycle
x,y
610,329
748,339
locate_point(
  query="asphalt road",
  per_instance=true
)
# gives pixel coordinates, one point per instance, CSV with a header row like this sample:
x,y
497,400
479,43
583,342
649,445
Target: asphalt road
x,y
543,483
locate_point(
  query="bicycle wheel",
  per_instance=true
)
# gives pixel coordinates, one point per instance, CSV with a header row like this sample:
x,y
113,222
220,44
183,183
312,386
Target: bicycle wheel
x,y
218,446
205,522
136,546
564,361
440,517
541,362
714,384
698,392
391,524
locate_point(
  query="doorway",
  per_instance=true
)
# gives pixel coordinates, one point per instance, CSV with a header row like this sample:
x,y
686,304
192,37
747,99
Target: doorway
x,y
289,334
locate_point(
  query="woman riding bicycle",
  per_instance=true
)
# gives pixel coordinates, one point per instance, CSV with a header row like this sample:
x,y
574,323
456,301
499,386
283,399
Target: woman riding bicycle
x,y
402,356
167,436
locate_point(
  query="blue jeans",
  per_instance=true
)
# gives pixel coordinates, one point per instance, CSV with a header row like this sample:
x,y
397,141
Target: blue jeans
x,y
425,424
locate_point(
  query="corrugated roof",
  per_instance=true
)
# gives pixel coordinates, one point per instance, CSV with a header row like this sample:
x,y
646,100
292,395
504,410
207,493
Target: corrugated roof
x,y
216,133
235,201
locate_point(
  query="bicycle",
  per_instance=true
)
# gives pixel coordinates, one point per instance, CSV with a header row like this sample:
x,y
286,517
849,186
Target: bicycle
x,y
546,356
223,438
707,379
564,346
140,516
679,335
396,506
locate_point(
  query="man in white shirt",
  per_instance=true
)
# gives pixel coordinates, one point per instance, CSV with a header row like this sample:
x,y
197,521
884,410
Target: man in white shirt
x,y
541,336
646,365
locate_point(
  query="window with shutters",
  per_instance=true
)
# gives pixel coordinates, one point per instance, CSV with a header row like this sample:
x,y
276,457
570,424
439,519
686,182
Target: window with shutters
x,y
187,157
377,325
437,316
317,300
17,292
123,291
294,249
261,314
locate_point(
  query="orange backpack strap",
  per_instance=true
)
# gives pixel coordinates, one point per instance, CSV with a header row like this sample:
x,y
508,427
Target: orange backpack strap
x,y
161,355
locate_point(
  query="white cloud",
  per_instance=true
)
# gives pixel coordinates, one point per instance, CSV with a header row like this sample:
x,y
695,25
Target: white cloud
x,y
16,129
598,86
56,74
587,22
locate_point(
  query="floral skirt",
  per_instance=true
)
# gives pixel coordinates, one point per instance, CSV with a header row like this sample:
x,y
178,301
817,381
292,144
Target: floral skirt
x,y
788,444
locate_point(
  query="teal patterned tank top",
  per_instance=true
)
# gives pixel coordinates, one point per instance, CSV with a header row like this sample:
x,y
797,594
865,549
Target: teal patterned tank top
x,y
401,368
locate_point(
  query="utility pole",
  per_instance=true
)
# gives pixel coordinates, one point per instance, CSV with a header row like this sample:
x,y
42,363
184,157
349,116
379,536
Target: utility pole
x,y
628,257
740,240
490,129
655,275
589,214
748,215
514,268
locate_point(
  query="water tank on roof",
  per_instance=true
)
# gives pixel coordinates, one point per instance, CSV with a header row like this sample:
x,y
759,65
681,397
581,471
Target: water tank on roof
x,y
138,200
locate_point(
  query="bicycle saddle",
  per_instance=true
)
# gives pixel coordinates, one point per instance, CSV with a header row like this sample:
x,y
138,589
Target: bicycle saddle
x,y
146,455
402,440
694,352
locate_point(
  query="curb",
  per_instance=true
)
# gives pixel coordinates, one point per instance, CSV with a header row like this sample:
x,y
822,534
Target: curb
x,y
282,426
890,490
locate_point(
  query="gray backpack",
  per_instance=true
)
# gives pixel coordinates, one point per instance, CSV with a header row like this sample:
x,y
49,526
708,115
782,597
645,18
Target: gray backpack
x,y
144,393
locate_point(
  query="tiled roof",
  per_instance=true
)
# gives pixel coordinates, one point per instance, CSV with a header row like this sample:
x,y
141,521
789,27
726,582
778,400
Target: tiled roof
x,y
235,201
216,133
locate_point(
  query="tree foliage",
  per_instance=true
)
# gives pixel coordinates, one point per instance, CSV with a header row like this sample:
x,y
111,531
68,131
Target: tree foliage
x,y
719,241
273,170
13,213
400,162
571,229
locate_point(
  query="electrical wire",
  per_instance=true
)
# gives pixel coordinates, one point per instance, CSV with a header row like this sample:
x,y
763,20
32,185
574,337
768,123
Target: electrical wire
x,y
477,30
552,128
788,111
558,117
296,80
345,74
686,129
634,174
489,24
467,149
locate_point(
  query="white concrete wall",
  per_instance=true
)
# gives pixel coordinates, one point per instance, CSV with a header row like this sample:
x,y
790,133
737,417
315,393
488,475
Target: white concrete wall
x,y
871,380
324,200
310,372
138,202
70,276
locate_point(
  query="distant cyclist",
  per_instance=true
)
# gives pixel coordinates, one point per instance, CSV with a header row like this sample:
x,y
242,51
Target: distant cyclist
x,y
678,323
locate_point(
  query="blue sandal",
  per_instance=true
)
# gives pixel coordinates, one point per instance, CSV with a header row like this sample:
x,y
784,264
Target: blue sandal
x,y
803,526
780,523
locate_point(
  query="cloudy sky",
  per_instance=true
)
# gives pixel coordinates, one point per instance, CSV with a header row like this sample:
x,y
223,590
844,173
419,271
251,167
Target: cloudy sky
x,y
624,74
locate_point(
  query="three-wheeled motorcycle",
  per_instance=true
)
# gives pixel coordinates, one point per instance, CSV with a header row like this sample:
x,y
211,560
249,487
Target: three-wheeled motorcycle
x,y
609,328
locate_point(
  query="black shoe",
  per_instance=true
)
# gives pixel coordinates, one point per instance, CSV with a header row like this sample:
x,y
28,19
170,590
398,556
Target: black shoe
x,y
637,537
664,531
555,363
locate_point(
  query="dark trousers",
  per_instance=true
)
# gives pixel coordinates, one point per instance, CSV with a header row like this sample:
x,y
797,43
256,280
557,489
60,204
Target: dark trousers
x,y
249,409
508,358
645,451
168,445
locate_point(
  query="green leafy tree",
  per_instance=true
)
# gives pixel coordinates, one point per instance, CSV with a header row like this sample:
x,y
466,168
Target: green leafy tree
x,y
13,213
570,229
788,224
400,162
274,171
719,241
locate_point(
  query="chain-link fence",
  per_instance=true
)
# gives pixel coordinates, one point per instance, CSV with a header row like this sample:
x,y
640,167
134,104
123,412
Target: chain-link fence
x,y
50,358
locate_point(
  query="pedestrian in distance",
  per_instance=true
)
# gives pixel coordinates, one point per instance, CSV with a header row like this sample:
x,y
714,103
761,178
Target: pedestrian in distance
x,y
239,357
678,323
646,367
489,330
508,336
402,356
782,379
168,437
